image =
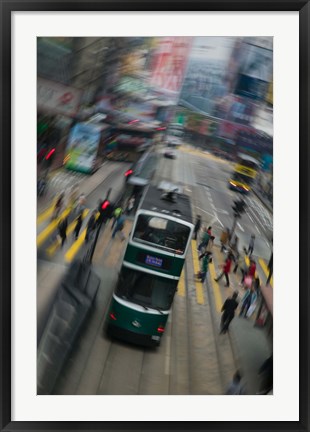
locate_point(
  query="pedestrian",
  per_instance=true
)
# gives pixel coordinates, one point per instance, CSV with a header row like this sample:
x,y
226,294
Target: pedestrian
x,y
251,245
197,226
229,307
58,205
209,230
119,225
130,205
79,221
248,299
205,239
249,273
73,196
226,270
210,244
266,374
62,229
91,225
235,387
206,259
80,204
116,214
224,239
234,244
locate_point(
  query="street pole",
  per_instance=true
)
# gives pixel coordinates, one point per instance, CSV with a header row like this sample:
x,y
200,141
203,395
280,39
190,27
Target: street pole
x,y
93,247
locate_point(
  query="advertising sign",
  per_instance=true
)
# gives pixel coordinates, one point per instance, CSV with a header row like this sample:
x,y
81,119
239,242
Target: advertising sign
x,y
205,83
256,72
57,98
82,147
169,63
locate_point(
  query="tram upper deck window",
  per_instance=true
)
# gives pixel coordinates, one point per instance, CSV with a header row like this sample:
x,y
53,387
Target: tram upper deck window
x,y
162,233
145,289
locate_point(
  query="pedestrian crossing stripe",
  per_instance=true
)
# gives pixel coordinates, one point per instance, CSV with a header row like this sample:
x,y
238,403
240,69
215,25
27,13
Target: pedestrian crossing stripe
x,y
54,246
71,253
265,269
46,213
41,238
181,285
198,285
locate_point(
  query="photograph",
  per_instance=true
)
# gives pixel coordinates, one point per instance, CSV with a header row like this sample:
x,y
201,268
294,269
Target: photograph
x,y
154,215
161,162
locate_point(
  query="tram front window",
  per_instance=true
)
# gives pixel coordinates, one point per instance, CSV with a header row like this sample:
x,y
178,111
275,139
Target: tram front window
x,y
145,289
162,233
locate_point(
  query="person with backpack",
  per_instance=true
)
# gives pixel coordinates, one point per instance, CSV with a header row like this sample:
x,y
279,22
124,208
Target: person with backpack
x,y
119,226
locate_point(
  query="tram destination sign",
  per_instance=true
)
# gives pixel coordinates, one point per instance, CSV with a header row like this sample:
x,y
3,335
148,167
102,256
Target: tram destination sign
x,y
154,261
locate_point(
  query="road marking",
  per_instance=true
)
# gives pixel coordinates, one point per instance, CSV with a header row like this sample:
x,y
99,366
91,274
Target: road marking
x,y
240,227
249,217
257,229
54,246
222,211
51,227
45,214
181,285
265,269
198,285
70,254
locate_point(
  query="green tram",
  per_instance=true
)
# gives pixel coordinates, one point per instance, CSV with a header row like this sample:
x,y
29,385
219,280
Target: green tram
x,y
151,268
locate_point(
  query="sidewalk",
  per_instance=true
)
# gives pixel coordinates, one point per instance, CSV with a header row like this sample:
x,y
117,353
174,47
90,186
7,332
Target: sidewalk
x,y
251,348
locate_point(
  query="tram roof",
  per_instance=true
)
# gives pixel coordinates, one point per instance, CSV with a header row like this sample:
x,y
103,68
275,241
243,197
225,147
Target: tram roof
x,y
153,201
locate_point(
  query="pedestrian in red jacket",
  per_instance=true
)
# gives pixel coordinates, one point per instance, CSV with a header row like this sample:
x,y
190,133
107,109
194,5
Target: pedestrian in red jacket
x,y
226,270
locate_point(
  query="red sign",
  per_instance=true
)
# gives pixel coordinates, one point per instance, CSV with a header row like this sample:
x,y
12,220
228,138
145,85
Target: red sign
x,y
170,62
229,129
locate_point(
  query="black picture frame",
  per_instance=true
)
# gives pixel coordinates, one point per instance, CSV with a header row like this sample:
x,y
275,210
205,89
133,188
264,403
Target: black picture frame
x,y
7,7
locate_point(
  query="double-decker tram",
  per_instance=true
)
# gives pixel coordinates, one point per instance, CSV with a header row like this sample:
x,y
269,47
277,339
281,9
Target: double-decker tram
x,y
151,267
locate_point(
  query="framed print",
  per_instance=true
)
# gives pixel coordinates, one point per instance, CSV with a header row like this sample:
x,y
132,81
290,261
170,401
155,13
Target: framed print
x,y
154,192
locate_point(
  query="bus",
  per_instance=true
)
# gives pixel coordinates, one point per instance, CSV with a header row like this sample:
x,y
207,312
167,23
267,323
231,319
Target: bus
x,y
244,173
151,267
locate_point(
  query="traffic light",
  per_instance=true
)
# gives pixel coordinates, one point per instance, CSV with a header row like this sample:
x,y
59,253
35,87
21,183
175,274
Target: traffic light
x,y
239,207
106,210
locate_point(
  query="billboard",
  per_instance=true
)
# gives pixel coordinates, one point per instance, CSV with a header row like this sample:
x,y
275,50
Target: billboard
x,y
256,72
169,63
57,98
205,82
82,147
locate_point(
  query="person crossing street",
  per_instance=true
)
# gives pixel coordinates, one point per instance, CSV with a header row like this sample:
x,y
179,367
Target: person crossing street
x,y
226,270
